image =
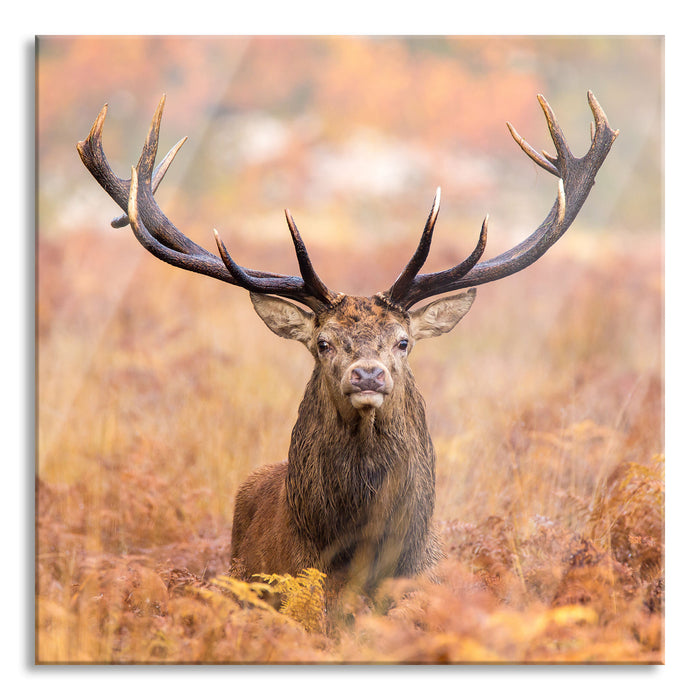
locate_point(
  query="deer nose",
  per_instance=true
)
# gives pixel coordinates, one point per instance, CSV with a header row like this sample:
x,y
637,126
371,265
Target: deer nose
x,y
368,378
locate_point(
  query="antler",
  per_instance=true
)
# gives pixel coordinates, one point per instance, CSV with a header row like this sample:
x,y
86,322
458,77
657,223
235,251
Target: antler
x,y
576,180
162,238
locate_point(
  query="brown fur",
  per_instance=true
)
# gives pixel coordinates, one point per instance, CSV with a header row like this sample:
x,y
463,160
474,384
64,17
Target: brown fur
x,y
356,497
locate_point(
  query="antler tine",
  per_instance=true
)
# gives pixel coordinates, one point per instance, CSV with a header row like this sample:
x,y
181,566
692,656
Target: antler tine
x,y
576,178
433,283
93,156
458,271
161,169
311,279
531,152
552,164
150,146
403,283
600,119
241,276
284,286
154,219
564,154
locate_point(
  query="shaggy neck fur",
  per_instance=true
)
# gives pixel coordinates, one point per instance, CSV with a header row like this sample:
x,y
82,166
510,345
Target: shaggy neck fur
x,y
363,490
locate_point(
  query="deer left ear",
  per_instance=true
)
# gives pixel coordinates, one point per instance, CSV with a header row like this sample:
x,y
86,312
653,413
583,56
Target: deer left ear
x,y
440,316
283,318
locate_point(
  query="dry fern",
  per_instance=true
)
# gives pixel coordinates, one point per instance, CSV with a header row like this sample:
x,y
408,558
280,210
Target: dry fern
x,y
303,596
628,516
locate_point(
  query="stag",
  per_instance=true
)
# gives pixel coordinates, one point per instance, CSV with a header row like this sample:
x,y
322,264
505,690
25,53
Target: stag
x,y
355,497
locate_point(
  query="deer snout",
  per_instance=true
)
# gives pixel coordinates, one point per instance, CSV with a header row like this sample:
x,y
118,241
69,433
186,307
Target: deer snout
x,y
371,379
366,384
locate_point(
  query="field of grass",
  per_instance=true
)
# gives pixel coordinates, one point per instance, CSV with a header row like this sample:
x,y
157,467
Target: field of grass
x,y
159,391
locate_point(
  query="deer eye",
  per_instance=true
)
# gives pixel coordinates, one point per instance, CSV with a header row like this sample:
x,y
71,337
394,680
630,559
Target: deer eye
x,y
402,344
323,347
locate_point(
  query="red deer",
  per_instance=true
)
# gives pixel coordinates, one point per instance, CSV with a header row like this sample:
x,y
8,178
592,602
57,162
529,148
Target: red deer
x,y
356,496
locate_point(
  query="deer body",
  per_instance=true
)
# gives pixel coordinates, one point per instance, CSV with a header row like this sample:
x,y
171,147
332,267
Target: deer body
x,y
356,497
358,491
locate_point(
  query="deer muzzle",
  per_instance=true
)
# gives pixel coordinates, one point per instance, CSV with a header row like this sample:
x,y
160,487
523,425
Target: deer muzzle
x,y
366,384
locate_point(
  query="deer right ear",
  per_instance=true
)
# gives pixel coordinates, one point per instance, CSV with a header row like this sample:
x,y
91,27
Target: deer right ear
x,y
283,318
440,316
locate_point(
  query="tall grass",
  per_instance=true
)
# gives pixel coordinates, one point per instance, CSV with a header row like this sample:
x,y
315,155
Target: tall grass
x,y
159,391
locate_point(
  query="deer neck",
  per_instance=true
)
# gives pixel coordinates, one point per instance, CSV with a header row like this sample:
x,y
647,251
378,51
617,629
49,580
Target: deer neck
x,y
378,461
325,421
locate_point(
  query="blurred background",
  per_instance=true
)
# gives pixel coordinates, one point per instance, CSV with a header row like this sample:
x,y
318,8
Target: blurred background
x,y
347,129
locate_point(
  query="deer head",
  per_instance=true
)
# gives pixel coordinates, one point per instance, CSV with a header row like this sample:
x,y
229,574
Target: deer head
x,y
361,345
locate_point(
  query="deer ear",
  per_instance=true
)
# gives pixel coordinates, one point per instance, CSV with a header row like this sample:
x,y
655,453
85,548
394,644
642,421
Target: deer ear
x,y
440,316
285,319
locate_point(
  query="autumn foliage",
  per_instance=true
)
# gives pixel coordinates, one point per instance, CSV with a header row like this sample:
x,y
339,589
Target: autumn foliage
x,y
158,391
